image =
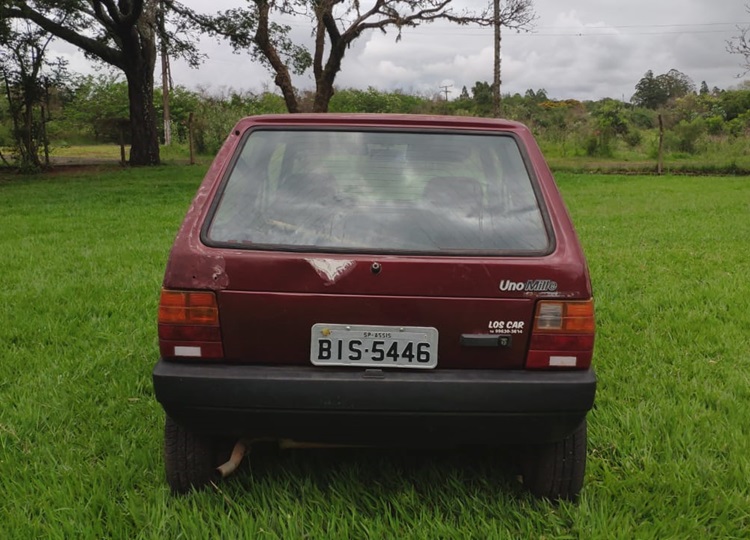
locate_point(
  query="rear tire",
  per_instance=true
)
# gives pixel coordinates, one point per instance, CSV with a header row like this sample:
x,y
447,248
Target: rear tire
x,y
190,459
555,470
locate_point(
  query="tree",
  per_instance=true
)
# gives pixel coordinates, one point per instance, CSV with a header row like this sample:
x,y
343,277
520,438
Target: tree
x,y
704,89
676,84
654,92
649,92
741,45
28,79
121,33
482,93
610,122
336,24
536,97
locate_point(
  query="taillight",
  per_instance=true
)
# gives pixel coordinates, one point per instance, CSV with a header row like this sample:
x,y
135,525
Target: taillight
x,y
189,325
562,335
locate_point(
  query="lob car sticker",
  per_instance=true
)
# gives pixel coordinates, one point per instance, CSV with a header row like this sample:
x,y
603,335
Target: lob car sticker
x,y
505,327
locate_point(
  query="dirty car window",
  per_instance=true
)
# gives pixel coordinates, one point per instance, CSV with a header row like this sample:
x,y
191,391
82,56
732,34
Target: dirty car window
x,y
348,190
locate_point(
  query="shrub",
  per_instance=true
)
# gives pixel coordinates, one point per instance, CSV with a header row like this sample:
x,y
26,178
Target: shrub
x,y
599,145
735,127
643,118
688,134
633,138
715,125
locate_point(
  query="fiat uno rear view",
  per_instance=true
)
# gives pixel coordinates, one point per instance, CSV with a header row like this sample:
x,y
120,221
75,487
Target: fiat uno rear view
x,y
377,280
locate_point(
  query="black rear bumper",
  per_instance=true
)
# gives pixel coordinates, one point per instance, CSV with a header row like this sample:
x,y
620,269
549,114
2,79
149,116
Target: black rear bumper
x,y
349,406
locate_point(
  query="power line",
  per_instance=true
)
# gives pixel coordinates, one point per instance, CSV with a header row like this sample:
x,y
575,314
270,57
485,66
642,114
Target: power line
x,y
584,33
733,23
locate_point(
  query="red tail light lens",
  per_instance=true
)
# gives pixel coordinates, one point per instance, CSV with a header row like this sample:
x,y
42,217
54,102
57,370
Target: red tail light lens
x,y
562,335
189,325
188,307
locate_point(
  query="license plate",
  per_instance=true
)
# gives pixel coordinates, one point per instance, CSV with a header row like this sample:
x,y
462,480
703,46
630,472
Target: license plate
x,y
374,346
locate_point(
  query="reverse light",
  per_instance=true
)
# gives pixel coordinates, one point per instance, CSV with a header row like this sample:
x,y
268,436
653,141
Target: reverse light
x,y
189,325
562,335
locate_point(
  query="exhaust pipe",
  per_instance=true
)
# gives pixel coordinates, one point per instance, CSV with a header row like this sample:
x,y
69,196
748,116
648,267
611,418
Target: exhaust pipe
x,y
238,452
241,448
290,444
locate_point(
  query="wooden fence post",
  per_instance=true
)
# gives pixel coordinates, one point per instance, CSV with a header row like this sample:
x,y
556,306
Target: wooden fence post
x,y
190,138
121,131
660,162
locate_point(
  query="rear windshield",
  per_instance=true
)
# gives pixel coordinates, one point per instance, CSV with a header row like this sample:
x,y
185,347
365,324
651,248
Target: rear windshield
x,y
379,191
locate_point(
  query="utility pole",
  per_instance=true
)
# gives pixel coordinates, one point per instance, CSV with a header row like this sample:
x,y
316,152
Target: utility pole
x,y
446,91
166,79
496,79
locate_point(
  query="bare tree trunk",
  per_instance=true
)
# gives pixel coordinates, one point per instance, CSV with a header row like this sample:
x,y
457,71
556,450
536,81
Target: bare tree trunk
x,y
144,149
323,95
14,113
45,141
283,79
324,83
165,95
121,132
31,149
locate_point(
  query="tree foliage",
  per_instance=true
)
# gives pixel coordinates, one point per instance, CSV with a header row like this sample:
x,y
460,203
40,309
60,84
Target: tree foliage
x,y
695,123
121,33
30,80
654,92
99,108
676,84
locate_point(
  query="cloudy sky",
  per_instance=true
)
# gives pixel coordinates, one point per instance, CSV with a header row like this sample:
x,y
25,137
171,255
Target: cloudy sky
x,y
582,49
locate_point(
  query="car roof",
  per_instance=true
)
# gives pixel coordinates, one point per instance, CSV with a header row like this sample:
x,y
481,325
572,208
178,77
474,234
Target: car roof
x,y
380,120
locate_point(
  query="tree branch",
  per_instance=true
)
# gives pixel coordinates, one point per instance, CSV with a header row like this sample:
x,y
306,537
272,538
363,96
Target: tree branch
x,y
320,43
331,27
136,9
262,40
97,48
741,45
113,20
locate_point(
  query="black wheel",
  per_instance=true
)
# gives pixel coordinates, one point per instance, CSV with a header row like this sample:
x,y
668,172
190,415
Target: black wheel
x,y
555,470
190,458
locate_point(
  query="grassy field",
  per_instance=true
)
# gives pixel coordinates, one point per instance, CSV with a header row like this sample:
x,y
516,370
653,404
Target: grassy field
x,y
731,157
80,432
175,154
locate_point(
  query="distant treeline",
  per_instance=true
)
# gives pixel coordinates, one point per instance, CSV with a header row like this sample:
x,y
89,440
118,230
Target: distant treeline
x,y
95,110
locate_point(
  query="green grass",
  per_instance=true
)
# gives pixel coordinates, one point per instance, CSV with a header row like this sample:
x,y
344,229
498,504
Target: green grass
x,y
110,153
714,157
94,151
80,432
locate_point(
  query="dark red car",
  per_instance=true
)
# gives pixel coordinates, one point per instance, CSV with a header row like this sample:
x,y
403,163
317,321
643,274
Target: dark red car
x,y
377,280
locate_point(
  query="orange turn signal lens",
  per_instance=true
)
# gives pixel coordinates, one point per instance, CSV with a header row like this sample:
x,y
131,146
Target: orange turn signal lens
x,y
565,317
